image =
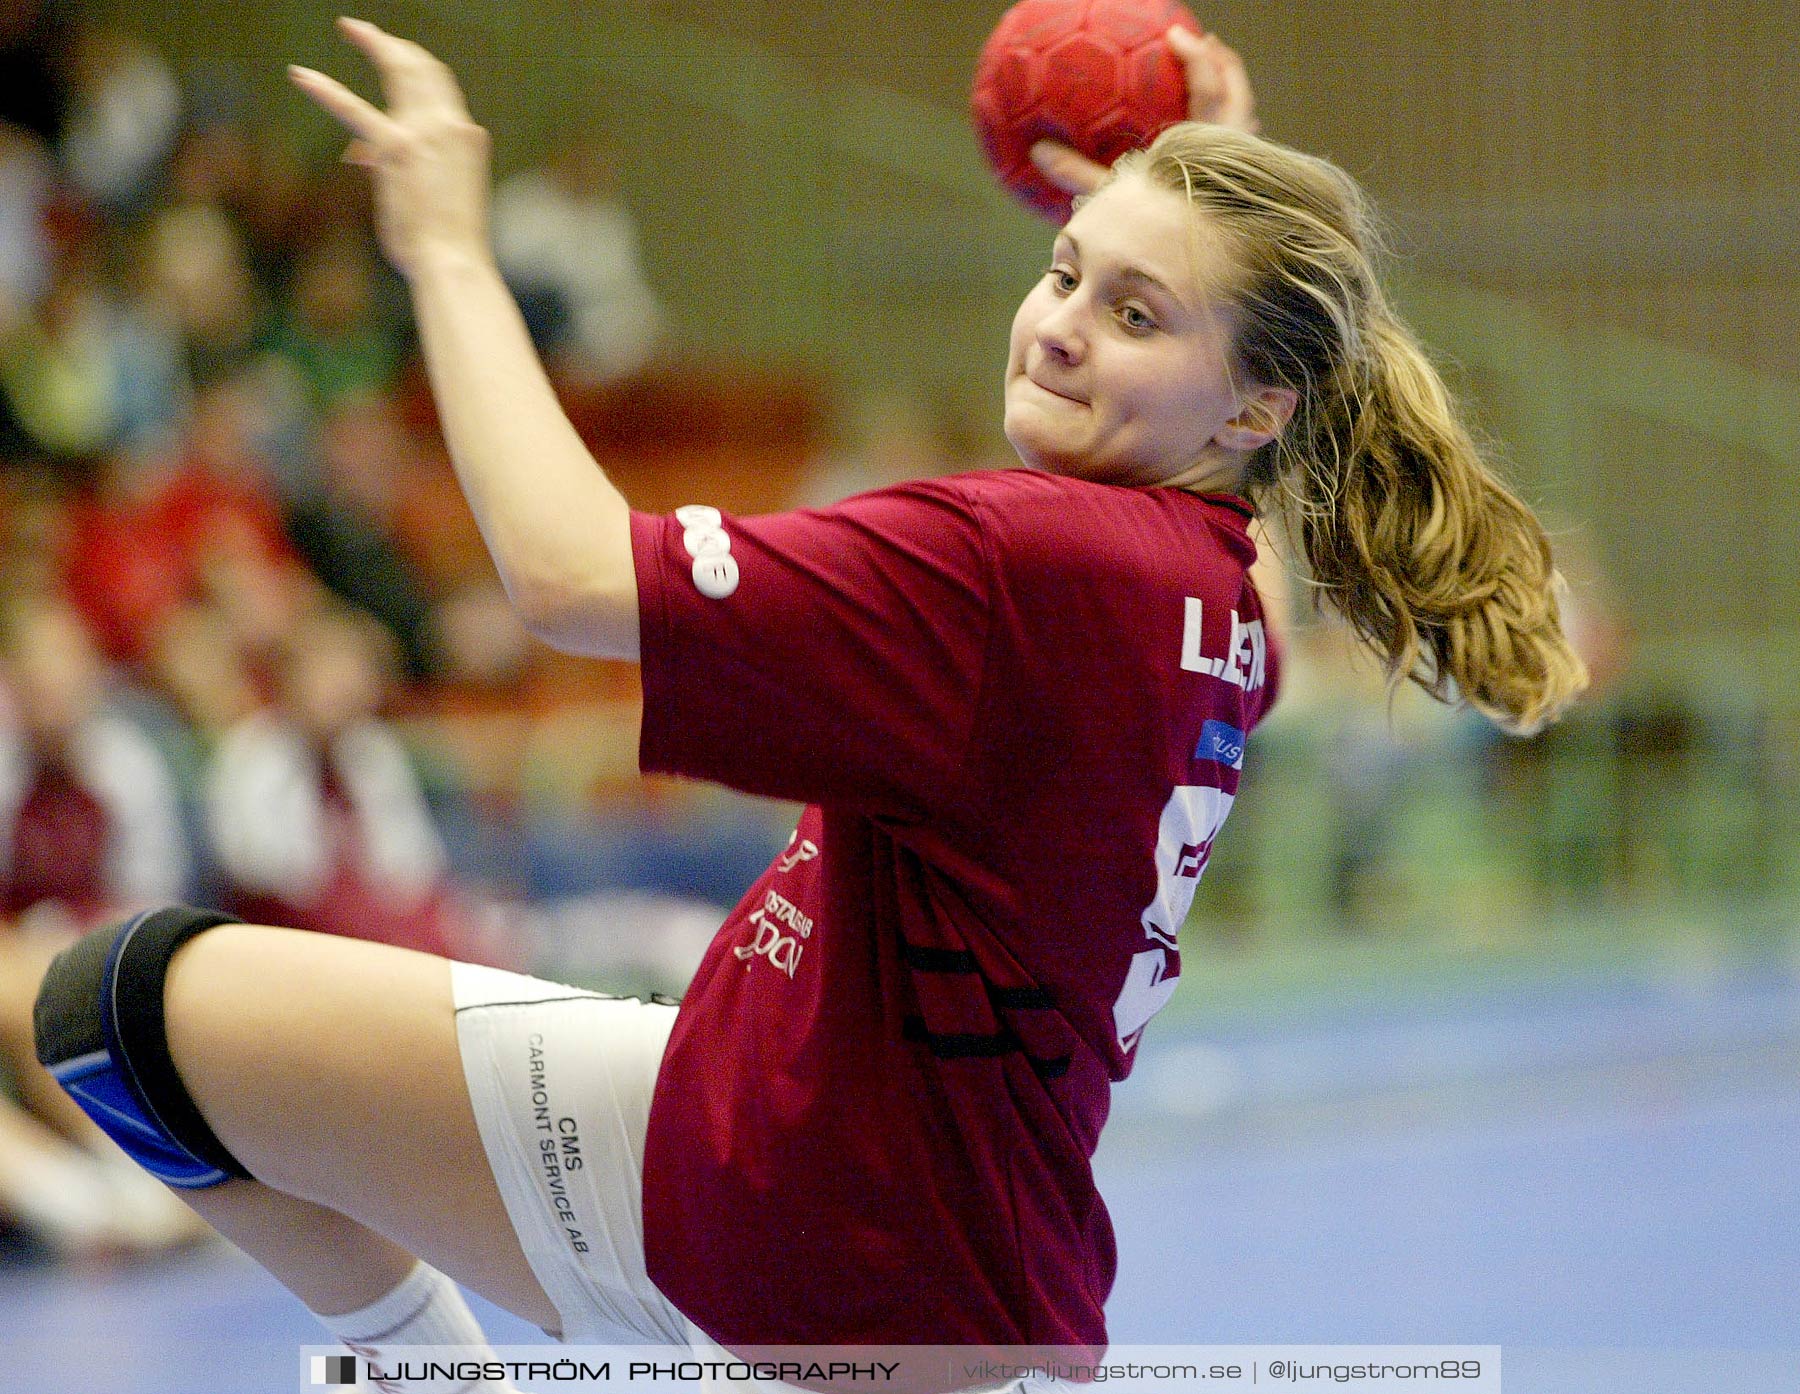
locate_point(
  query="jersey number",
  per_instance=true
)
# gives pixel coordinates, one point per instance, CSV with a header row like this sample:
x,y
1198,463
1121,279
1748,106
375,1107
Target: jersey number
x,y
1190,821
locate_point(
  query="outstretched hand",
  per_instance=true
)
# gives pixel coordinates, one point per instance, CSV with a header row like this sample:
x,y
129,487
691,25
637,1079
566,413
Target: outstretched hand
x,y
1219,92
427,157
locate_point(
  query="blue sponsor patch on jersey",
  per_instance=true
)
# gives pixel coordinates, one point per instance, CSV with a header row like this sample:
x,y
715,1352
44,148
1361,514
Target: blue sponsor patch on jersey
x,y
1223,742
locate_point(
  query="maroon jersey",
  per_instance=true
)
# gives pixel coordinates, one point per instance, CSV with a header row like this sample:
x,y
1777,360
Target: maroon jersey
x,y
1016,705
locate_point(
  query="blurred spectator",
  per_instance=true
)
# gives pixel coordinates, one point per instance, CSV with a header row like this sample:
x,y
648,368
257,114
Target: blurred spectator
x,y
88,819
89,829
82,369
216,156
330,329
286,204
156,532
123,115
342,521
317,819
27,184
230,160
352,529
194,264
33,525
200,665
569,249
316,816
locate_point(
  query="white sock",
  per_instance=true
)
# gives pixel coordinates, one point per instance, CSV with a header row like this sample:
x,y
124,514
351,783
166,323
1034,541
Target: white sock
x,y
425,1309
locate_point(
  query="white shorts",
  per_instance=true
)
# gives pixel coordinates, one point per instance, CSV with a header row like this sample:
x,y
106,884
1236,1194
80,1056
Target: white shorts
x,y
561,1081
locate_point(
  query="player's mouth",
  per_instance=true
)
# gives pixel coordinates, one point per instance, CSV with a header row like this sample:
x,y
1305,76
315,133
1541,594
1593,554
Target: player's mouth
x,y
1054,392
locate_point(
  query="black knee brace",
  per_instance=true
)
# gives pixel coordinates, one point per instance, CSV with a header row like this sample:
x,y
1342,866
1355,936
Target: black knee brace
x,y
99,1028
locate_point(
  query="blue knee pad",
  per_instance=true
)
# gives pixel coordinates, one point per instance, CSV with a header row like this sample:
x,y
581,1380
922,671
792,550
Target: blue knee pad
x,y
99,1028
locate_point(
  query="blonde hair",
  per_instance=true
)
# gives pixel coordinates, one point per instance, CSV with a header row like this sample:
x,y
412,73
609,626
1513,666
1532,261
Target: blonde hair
x,y
1407,532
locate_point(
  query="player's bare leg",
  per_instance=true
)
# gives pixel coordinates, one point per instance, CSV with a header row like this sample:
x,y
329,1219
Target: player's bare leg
x,y
330,1068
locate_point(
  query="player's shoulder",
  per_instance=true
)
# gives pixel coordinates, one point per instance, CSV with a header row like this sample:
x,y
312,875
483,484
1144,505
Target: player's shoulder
x,y
1035,517
1017,490
1038,529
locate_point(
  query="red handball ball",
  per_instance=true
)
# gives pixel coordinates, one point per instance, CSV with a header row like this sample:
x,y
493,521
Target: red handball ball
x,y
1095,74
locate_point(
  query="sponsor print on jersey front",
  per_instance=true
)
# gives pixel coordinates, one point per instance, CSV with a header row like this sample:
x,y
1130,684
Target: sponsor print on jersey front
x,y
779,933
799,850
779,928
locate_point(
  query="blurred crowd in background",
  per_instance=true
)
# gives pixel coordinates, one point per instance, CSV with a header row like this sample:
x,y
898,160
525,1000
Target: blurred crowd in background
x,y
239,590
252,653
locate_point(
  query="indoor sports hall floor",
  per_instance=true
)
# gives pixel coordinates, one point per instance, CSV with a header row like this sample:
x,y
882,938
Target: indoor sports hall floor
x,y
1599,1176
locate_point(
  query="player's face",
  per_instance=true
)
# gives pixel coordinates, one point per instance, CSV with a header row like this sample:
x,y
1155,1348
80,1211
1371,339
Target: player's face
x,y
1117,370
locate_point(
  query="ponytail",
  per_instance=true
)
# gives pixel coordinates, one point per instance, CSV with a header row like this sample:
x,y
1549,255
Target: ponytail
x,y
1411,538
1407,533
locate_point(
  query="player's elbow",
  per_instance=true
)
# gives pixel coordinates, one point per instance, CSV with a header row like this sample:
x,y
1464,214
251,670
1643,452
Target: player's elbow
x,y
596,617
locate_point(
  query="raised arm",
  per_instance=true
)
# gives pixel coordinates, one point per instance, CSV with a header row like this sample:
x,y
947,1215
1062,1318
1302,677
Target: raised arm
x,y
559,532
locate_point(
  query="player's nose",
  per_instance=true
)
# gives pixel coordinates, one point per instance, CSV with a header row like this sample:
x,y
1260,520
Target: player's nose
x,y
1059,332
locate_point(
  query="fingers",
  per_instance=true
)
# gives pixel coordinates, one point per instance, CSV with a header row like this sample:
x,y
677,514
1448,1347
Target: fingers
x,y
411,76
1219,88
1238,107
1069,170
1203,83
368,122
1194,50
412,80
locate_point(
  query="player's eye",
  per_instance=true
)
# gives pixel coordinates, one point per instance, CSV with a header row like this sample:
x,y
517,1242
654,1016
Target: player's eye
x,y
1063,279
1136,318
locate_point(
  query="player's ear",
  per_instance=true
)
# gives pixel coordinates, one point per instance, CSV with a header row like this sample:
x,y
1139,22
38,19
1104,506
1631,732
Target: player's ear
x,y
1260,418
